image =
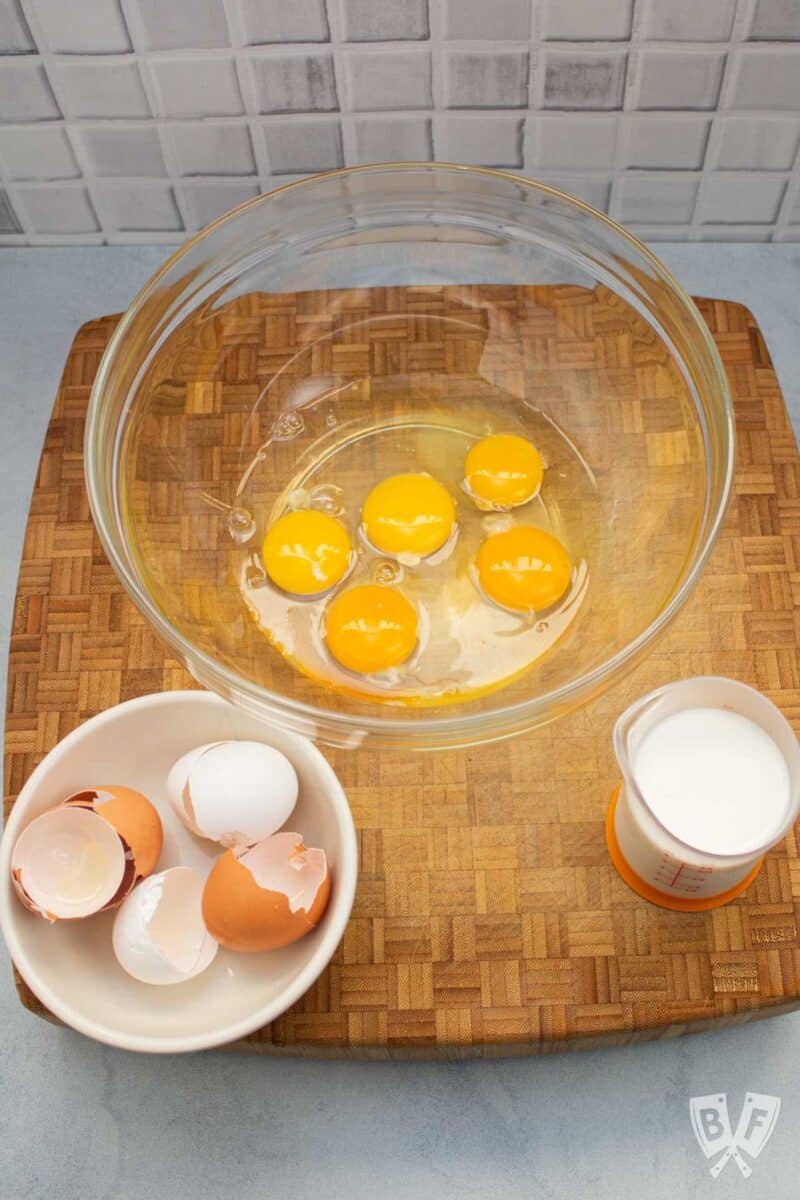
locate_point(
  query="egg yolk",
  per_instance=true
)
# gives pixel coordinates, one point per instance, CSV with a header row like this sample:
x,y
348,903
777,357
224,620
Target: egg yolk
x,y
371,628
524,568
408,514
503,471
306,552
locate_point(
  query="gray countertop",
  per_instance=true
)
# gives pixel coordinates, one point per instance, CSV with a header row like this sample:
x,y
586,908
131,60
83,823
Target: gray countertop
x,y
79,1120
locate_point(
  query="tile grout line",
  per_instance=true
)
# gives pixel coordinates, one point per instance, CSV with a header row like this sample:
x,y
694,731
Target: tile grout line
x,y
10,186
335,18
789,200
167,146
439,139
740,24
131,18
247,91
45,56
531,132
622,134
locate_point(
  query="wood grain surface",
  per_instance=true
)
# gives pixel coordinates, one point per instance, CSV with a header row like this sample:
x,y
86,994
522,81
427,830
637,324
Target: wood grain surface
x,y
488,918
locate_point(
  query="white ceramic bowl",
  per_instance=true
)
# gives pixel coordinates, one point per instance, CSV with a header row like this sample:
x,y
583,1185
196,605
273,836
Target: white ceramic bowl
x,y
71,965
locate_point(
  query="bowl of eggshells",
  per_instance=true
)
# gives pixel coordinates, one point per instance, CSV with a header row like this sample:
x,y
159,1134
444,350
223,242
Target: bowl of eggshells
x,y
176,874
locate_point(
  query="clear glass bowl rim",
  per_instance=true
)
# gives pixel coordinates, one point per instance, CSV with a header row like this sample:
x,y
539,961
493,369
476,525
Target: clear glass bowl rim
x,y
386,729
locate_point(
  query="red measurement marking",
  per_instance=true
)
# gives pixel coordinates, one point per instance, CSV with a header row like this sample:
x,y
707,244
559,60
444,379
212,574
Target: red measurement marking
x,y
676,876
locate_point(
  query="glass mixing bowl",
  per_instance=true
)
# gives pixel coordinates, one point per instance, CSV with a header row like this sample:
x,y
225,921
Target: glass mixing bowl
x,y
413,297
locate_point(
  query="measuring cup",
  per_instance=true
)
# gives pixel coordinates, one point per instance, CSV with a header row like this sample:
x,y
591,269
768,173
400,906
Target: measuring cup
x,y
652,860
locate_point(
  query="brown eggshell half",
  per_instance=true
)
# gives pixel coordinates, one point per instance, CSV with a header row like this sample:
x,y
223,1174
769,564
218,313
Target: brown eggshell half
x,y
136,821
243,916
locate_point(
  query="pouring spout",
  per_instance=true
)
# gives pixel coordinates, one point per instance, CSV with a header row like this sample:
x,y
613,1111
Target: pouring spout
x,y
632,725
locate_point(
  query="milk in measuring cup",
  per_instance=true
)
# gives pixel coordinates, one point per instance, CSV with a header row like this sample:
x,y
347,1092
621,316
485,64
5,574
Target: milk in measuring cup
x,y
711,771
714,778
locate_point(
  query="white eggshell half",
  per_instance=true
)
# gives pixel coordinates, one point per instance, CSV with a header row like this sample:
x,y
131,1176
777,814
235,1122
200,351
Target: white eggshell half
x,y
177,780
235,793
159,936
67,863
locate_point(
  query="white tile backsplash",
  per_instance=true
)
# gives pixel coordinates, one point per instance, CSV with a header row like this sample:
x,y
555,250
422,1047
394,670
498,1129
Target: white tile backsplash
x,y
592,191
484,141
73,27
388,79
767,78
688,20
211,148
570,141
659,142
477,20
776,20
660,198
128,119
299,149
122,151
185,88
105,88
283,21
15,35
9,221
577,21
179,24
58,209
295,82
679,79
25,93
392,139
208,199
138,207
741,200
42,152
486,79
583,79
758,143
385,21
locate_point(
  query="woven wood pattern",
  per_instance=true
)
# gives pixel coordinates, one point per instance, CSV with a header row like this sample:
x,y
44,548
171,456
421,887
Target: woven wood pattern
x,y
488,917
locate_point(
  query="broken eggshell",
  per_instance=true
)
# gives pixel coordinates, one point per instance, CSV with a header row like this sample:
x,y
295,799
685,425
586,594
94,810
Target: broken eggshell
x,y
234,793
268,895
159,936
136,821
68,863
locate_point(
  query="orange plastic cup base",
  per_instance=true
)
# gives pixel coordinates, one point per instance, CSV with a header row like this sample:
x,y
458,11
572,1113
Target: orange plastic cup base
x,y
663,899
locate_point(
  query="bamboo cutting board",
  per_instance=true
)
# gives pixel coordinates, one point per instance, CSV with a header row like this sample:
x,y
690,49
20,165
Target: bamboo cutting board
x,y
488,918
